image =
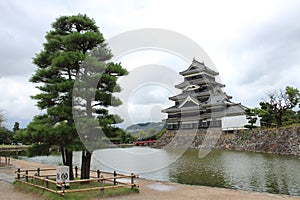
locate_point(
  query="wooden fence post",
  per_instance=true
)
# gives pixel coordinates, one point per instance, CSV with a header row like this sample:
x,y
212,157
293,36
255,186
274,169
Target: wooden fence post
x,y
76,171
26,175
47,183
38,171
18,175
63,185
115,180
98,174
132,180
102,185
102,181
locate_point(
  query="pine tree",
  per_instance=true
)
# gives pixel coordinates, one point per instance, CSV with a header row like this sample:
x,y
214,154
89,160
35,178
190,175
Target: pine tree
x,y
66,46
16,127
251,115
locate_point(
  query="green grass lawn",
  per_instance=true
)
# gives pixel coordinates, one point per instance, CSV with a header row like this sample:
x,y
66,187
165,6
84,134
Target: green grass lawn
x,y
75,195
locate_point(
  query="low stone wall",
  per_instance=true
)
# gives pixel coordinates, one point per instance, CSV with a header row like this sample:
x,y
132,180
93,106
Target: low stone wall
x,y
285,141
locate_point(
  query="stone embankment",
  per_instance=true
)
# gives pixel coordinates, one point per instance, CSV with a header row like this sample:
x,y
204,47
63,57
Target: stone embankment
x,y
284,141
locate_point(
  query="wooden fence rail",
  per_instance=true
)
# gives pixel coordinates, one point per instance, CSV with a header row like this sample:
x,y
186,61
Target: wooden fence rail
x,y
42,181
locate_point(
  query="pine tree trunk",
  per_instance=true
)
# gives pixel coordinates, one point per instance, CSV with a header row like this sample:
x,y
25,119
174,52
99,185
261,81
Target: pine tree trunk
x,y
85,164
62,150
68,162
86,155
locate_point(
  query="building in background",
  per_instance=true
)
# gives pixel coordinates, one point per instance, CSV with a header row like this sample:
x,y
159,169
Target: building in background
x,y
202,103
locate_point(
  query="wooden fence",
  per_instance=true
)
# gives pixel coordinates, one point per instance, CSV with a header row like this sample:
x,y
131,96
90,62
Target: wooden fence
x,y
43,178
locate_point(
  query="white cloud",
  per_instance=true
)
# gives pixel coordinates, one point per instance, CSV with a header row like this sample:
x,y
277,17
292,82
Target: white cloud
x,y
15,100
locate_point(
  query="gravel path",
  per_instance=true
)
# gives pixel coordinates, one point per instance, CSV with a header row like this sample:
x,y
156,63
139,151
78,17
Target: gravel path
x,y
7,177
149,190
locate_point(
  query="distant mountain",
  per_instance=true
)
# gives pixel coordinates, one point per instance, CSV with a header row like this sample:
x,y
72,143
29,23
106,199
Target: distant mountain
x,y
155,126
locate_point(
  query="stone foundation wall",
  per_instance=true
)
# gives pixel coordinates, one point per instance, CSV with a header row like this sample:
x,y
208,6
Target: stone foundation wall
x,y
285,141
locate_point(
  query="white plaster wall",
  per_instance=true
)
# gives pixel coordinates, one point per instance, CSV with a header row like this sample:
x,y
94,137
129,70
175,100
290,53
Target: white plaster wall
x,y
236,122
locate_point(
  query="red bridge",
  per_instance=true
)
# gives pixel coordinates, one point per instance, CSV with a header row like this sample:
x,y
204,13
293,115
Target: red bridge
x,y
144,143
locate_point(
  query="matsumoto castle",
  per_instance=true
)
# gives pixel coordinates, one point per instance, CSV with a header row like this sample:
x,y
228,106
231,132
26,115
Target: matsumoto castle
x,y
202,103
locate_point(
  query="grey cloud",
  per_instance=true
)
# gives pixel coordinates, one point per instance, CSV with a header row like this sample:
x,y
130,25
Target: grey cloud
x,y
148,84
22,33
151,94
272,48
19,41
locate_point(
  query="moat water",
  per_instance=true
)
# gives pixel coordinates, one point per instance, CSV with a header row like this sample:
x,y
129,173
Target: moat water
x,y
226,169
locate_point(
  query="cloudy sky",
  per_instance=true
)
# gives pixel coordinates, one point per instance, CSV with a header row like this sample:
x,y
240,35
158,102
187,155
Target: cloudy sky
x,y
255,45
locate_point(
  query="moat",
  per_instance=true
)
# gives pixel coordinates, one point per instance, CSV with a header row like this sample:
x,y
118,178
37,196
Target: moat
x,y
226,169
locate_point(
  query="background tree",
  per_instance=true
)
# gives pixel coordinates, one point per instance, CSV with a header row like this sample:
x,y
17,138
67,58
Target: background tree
x,y
279,107
40,130
290,117
67,45
16,127
266,114
22,136
5,136
251,115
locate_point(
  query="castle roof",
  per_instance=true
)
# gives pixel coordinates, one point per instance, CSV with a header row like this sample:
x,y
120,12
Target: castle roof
x,y
198,82
192,94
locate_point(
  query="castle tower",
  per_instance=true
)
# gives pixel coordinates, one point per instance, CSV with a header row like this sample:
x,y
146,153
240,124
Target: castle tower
x,y
202,103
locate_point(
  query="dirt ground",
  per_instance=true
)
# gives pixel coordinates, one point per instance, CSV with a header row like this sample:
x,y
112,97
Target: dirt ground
x,y
7,176
149,190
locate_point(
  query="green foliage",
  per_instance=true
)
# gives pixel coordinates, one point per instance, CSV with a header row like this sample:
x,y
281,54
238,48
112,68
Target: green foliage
x,y
125,137
245,136
22,136
16,127
118,135
40,130
293,97
38,150
6,136
58,64
290,117
280,108
251,115
161,133
75,52
96,82
66,47
148,130
266,114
